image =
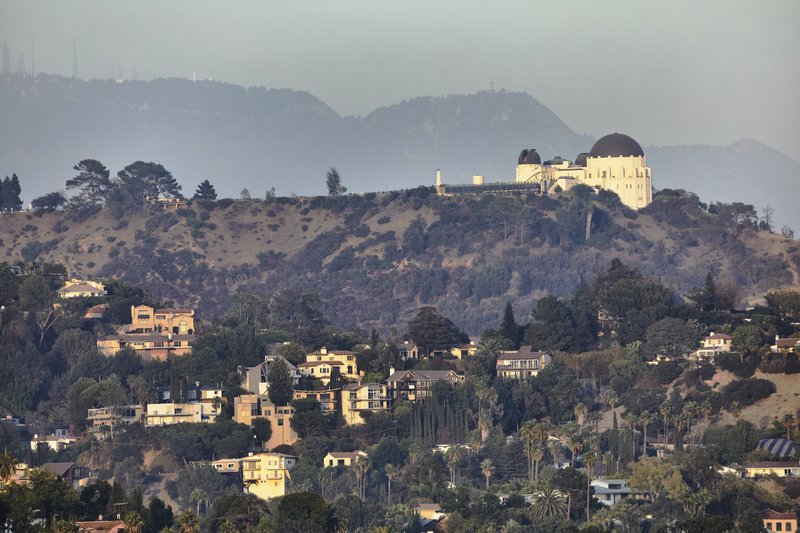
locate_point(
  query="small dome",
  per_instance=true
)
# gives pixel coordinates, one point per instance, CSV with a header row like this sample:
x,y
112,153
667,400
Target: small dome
x,y
580,161
529,157
616,145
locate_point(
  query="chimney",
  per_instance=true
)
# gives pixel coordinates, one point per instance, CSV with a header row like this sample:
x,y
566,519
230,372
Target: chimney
x,y
391,370
323,350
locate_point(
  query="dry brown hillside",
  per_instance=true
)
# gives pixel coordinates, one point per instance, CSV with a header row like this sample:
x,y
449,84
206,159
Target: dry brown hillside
x,y
374,258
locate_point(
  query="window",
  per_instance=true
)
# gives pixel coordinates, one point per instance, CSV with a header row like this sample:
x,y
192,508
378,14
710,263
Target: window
x,y
778,526
280,421
788,526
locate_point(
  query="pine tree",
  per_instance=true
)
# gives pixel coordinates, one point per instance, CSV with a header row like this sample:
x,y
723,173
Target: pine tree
x,y
279,377
334,182
14,201
509,328
92,180
205,191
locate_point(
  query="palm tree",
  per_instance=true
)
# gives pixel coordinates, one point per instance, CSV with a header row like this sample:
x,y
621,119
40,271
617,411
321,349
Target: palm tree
x,y
556,451
487,469
528,434
453,458
645,419
65,526
197,496
188,522
666,414
581,411
548,503
133,522
736,410
575,446
788,424
334,521
228,527
8,465
590,458
391,472
490,346
360,469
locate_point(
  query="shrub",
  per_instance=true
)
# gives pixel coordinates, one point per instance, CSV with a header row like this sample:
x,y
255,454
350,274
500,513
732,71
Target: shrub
x,y
745,391
384,220
732,363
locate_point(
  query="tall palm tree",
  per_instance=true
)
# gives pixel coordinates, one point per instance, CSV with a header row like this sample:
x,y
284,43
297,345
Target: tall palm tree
x,y
391,473
666,415
645,419
548,503
528,434
788,422
8,465
575,446
198,495
581,412
487,469
453,455
360,469
590,458
133,522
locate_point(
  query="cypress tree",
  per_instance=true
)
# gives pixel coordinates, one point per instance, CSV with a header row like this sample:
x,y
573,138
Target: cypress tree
x,y
13,192
509,327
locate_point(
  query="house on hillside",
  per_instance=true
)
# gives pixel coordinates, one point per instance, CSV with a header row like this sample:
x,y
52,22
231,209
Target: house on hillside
x,y
361,398
154,333
463,350
408,350
248,407
266,475
255,379
60,439
100,526
327,399
196,404
73,475
775,522
714,344
105,419
610,491
785,346
321,365
334,459
772,468
78,288
416,385
521,364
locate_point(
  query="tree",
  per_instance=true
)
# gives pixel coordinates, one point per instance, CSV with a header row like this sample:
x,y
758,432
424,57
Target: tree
x,y
334,182
37,297
548,503
672,337
9,194
279,378
133,522
244,196
746,341
49,202
188,522
391,472
360,469
509,327
534,435
428,329
205,191
654,476
141,183
262,429
487,469
198,496
8,464
92,181
788,422
303,512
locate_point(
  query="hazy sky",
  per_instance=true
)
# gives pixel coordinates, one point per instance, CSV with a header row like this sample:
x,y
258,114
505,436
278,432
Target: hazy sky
x,y
676,72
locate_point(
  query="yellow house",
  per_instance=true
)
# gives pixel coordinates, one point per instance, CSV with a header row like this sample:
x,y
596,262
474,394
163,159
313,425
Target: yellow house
x,y
772,468
358,399
266,475
248,407
334,459
145,319
227,466
713,344
77,288
321,364
775,522
463,350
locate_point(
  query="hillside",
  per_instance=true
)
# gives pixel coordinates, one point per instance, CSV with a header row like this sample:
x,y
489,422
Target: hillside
x,y
374,258
260,138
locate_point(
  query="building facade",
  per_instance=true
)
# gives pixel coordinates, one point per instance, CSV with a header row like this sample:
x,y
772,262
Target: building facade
x,y
415,385
615,163
334,459
358,399
266,475
256,379
521,364
321,365
249,407
78,288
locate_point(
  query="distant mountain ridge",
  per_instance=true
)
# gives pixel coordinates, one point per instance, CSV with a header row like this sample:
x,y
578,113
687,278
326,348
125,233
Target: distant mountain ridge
x,y
258,138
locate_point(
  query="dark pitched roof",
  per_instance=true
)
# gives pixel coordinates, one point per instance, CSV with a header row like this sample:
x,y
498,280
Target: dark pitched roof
x,y
525,352
58,469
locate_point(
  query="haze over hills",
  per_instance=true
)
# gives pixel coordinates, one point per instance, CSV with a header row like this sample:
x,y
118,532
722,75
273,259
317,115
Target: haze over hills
x,y
257,138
